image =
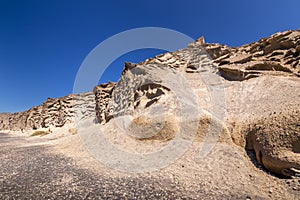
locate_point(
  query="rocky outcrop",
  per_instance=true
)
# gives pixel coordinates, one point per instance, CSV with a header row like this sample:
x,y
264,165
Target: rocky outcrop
x,y
258,80
137,88
103,98
55,112
262,114
246,96
276,142
276,55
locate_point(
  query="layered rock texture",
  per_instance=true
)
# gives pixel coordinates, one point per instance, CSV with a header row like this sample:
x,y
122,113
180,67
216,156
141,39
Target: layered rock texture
x,y
103,94
247,96
276,55
55,112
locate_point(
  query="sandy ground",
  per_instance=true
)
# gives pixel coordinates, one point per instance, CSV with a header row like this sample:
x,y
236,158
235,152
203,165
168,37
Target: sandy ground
x,y
59,166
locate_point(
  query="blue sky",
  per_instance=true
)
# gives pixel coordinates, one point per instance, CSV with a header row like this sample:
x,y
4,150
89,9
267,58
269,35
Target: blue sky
x,y
43,43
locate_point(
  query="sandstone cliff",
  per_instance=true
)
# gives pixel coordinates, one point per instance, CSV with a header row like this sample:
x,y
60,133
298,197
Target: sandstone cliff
x,y
276,55
261,89
55,112
248,94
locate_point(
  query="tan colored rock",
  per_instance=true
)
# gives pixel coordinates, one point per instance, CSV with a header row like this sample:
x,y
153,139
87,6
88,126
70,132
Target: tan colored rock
x,y
55,112
276,55
258,99
268,90
103,95
261,87
276,142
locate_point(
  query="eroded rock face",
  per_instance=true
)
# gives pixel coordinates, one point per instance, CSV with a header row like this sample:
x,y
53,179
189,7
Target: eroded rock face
x,y
276,142
55,112
261,87
276,55
259,113
266,108
103,94
271,64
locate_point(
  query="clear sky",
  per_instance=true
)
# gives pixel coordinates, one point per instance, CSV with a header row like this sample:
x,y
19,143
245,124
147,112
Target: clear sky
x,y
43,43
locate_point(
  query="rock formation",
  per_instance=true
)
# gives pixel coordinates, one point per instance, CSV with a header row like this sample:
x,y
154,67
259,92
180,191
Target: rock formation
x,y
259,79
55,112
256,85
276,55
103,94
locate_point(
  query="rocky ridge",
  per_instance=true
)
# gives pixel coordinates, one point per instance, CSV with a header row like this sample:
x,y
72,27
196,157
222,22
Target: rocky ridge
x,y
278,54
55,112
264,73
